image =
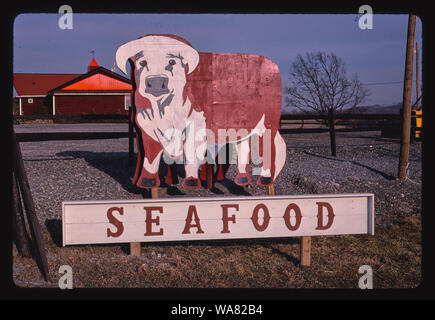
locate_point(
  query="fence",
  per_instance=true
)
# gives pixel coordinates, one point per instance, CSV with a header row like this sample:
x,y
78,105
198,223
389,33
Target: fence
x,y
84,118
312,123
289,123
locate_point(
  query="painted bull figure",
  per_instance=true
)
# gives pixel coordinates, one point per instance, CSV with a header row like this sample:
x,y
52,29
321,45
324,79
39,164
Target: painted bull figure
x,y
187,104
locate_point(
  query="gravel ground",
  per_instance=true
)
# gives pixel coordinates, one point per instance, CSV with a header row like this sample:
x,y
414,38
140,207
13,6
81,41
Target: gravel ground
x,y
98,170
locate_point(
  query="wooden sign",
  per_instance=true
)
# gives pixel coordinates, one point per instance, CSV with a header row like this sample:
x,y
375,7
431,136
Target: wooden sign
x,y
147,220
186,104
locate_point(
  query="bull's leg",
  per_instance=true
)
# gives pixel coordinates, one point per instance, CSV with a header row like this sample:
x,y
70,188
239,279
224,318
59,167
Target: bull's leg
x,y
149,175
194,158
222,162
203,174
243,152
191,180
267,154
171,176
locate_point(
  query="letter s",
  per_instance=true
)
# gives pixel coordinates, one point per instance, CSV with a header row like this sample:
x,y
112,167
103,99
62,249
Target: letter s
x,y
118,224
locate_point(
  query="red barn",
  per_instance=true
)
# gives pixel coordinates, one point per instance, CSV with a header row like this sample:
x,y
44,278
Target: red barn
x,y
99,91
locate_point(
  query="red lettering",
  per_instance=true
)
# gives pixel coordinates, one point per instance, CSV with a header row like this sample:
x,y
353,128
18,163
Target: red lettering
x,y
191,213
298,216
225,217
320,225
266,217
118,224
150,220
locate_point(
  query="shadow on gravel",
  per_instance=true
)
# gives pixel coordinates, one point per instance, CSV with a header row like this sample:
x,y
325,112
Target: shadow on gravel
x,y
54,228
232,187
115,164
383,174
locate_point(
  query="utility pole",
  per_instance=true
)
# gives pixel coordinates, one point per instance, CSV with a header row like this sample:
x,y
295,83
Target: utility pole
x,y
406,105
417,79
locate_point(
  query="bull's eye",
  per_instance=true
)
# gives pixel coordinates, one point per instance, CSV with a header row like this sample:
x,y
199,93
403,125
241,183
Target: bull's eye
x,y
143,63
172,62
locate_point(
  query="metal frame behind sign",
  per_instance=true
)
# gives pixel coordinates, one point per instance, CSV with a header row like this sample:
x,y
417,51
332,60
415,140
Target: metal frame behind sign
x,y
163,219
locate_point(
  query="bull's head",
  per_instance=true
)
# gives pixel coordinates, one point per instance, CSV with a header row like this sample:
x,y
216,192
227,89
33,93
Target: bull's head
x,y
161,63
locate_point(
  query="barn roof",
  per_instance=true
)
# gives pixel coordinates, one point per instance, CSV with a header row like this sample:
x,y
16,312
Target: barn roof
x,y
98,79
39,83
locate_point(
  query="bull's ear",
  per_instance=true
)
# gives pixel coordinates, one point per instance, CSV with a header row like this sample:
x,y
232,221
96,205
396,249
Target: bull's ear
x,y
125,52
191,57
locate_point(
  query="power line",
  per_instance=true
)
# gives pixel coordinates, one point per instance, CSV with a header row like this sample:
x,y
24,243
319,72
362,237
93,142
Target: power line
x,y
381,83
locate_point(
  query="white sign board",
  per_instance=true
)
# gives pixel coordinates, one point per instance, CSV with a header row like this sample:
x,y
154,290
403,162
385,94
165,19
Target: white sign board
x,y
145,220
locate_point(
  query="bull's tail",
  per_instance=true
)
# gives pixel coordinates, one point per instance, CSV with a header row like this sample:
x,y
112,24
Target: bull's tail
x,y
272,157
280,153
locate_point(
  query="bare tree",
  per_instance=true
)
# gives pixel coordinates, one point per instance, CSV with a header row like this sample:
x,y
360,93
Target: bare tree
x,y
319,82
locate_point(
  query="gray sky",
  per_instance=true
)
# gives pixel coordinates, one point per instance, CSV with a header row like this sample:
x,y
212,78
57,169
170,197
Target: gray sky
x,y
376,55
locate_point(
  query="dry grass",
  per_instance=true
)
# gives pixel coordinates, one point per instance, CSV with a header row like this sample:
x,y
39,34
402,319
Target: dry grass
x,y
394,254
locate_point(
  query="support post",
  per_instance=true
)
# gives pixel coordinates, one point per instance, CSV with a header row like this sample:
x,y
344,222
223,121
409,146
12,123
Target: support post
x,y
305,252
407,94
271,189
19,225
154,193
135,249
331,120
54,106
135,246
417,77
130,138
29,206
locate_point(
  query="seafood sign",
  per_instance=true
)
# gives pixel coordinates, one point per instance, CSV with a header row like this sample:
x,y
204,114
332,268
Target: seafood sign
x,y
147,220
187,105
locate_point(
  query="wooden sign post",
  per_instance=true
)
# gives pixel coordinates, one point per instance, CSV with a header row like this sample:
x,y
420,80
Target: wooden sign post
x,y
305,248
135,246
22,191
305,257
135,249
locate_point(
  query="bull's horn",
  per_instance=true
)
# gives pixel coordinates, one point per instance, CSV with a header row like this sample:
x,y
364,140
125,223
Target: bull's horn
x,y
155,43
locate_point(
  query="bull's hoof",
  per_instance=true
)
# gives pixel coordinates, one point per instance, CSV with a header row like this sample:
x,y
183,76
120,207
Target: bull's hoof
x,y
242,179
149,183
191,183
264,181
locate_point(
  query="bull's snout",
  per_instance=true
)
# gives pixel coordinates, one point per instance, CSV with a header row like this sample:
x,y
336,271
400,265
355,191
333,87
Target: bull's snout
x,y
156,85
